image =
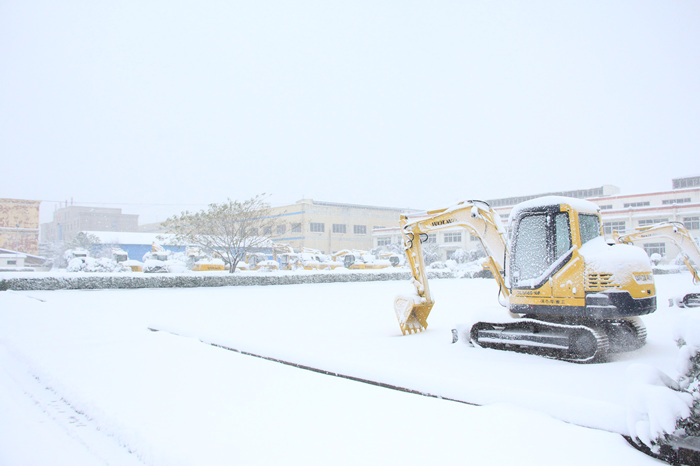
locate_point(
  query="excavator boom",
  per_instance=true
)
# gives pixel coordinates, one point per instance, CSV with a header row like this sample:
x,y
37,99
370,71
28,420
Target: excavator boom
x,y
673,231
682,239
475,216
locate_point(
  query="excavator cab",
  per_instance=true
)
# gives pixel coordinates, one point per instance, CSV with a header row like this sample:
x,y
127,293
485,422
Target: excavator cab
x,y
541,244
543,241
561,266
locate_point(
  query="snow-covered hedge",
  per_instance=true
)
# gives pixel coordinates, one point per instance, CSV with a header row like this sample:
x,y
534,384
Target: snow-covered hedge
x,y
192,280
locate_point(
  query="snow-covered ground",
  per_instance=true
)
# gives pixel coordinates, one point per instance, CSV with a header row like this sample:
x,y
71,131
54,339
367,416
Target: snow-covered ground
x,y
84,381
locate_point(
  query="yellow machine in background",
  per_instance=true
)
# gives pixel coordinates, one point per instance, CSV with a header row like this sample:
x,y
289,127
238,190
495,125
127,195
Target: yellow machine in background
x,y
261,261
121,257
306,259
360,260
681,238
198,261
570,295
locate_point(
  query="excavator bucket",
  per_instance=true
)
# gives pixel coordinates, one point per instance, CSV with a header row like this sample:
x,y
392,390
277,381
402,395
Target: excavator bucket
x,y
412,313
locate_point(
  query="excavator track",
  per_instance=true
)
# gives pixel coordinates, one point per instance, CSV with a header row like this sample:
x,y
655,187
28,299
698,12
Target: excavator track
x,y
690,300
580,342
566,342
626,334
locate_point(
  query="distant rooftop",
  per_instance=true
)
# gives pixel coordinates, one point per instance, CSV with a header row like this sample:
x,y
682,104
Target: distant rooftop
x,y
606,190
129,237
688,182
353,206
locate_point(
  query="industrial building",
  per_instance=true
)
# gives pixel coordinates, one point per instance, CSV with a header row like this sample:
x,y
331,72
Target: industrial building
x,y
70,220
19,225
330,227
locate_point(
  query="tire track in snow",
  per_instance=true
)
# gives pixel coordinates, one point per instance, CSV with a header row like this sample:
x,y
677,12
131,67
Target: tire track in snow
x,y
76,424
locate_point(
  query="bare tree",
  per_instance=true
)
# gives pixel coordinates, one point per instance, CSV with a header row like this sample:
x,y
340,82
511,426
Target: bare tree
x,y
228,230
84,240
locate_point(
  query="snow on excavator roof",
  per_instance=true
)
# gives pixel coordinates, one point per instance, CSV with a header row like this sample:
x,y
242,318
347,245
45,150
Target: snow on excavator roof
x,y
580,205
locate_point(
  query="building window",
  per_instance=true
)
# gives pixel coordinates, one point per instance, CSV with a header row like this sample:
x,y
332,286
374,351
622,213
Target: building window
x,y
432,239
606,207
651,221
267,231
676,201
637,204
691,223
609,227
360,229
384,241
296,227
281,229
655,248
453,237
339,228
317,227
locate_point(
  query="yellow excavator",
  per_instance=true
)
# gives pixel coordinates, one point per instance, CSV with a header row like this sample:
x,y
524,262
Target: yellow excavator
x,y
679,235
570,295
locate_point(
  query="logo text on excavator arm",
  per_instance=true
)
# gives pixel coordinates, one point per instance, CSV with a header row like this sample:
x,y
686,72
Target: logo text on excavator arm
x,y
446,221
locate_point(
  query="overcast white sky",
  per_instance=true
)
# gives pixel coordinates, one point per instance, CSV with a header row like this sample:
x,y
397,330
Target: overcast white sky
x,y
156,106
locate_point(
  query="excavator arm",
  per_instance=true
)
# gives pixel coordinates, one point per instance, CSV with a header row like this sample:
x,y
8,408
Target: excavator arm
x,y
672,231
480,220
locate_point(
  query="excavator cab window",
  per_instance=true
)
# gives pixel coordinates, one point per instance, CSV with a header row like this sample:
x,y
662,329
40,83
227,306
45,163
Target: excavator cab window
x,y
530,248
589,226
562,235
541,239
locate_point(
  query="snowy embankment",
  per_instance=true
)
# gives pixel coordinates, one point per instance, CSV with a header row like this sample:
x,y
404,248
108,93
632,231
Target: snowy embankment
x,y
81,368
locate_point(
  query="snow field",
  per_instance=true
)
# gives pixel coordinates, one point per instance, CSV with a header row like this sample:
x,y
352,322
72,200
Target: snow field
x,y
174,400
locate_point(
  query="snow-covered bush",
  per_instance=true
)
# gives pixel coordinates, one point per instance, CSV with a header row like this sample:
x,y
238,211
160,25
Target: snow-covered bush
x,y
660,407
687,335
431,253
437,265
91,264
655,405
656,258
460,256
